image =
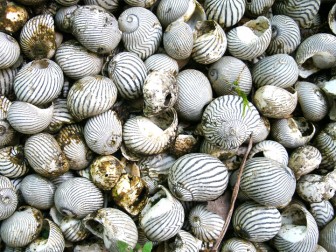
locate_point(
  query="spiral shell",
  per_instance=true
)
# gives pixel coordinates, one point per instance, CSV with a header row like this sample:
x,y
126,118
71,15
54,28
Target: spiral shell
x,y
141,31
12,162
73,229
39,82
37,37
286,35
227,13
323,212
268,182
60,116
250,40
162,62
29,119
45,156
197,177
327,236
10,51
63,16
238,245
279,70
22,227
270,149
128,72
226,123
102,35
255,222
8,198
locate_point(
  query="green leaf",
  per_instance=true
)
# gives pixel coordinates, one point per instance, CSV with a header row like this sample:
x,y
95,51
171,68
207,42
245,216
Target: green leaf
x,y
147,247
123,246
242,95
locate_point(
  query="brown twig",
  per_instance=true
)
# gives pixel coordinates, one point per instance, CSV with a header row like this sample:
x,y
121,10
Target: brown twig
x,y
233,197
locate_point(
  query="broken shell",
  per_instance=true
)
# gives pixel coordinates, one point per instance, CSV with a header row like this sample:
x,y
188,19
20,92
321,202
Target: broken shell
x,y
270,149
323,212
12,162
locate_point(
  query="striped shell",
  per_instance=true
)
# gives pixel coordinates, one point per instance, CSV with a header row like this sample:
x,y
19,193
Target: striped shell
x,y
113,226
141,31
62,178
227,73
161,225
304,160
29,119
332,19
22,227
320,249
285,35
227,124
279,70
327,236
303,12
7,134
141,3
312,100
39,82
37,37
84,94
184,241
45,156
12,162
268,182
73,229
162,62
198,15
54,242
77,198
323,212
262,131
63,16
60,116
128,72
67,2
220,153
10,51
197,177
238,245
227,13
250,40
102,35
194,93
8,198
258,8
205,225
209,42
292,132
76,61
143,135
255,222
109,5
270,149
7,81
298,233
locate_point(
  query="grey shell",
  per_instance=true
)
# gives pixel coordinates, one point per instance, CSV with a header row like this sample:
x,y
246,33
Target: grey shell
x,y
270,149
141,31
184,242
60,116
64,177
258,8
109,5
238,245
327,236
323,212
162,62
268,182
78,197
12,162
67,2
63,17
10,51
73,229
7,80
141,3
8,198
7,134
331,19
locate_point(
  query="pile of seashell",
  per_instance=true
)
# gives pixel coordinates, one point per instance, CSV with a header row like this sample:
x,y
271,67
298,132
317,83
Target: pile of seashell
x,y
121,121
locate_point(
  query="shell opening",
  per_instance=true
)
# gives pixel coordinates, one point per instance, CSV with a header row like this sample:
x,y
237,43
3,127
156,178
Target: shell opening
x,y
45,230
40,64
306,128
205,27
95,227
258,26
167,99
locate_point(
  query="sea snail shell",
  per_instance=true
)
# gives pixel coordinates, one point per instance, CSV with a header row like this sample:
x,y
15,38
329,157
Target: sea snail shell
x,y
10,51
8,198
12,162
238,245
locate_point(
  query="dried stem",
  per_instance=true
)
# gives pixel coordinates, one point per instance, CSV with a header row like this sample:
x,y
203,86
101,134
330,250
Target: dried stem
x,y
233,197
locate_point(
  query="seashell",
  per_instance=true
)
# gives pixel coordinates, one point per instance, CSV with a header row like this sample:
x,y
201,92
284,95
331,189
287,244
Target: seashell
x,y
194,93
10,51
315,53
113,226
209,42
270,149
320,249
152,135
109,5
105,171
227,123
220,153
76,61
22,227
226,13
286,35
258,8
278,70
7,134
292,132
103,34
60,116
38,191
84,94
238,245
303,12
268,182
8,198
141,31
178,40
250,40
7,81
327,236
228,74
45,156
262,131
67,2
184,241
298,231
54,242
262,247
161,225
255,222
162,62
91,246
37,37
63,17
169,11
77,198
304,160
12,162
73,229
159,92
142,3
323,212
331,19
198,15
14,18
128,72
62,178
29,119
312,100
184,143
39,82
4,107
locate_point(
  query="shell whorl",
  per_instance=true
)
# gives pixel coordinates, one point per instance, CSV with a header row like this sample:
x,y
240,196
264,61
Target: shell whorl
x,y
12,162
10,51
8,198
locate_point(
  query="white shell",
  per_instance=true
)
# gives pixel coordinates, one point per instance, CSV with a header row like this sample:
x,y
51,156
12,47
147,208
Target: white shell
x,y
238,245
162,62
270,149
12,162
327,236
10,51
323,212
